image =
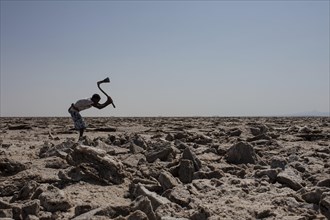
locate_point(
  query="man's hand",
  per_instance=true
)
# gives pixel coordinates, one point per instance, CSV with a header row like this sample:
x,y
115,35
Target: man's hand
x,y
109,100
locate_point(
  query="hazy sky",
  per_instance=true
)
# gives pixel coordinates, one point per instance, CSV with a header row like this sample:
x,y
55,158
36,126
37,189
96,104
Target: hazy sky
x,y
165,58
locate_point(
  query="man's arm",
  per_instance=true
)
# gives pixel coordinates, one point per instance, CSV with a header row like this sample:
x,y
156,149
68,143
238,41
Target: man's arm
x,y
100,106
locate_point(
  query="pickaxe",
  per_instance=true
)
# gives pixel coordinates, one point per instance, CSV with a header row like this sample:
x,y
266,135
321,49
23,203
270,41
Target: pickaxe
x,y
106,80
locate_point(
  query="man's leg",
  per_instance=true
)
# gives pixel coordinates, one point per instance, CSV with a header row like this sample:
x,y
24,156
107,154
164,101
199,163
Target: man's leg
x,y
81,132
78,123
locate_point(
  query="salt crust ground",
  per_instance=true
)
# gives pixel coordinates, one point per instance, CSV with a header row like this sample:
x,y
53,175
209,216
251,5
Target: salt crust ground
x,y
238,194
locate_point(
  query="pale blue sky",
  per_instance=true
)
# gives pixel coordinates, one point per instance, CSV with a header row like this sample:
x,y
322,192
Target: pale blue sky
x,y
165,58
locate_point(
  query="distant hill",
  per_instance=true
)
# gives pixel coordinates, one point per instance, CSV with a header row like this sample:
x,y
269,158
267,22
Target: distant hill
x,y
311,114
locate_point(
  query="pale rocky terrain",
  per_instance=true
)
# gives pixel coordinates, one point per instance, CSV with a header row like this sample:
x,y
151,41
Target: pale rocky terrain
x,y
165,168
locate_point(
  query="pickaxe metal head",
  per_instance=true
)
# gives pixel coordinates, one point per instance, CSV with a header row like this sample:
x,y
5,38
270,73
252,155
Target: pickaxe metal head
x,y
106,80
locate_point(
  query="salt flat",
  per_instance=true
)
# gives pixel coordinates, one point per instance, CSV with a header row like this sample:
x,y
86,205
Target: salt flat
x,y
166,168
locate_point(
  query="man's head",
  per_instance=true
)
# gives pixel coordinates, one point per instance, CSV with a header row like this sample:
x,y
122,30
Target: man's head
x,y
96,98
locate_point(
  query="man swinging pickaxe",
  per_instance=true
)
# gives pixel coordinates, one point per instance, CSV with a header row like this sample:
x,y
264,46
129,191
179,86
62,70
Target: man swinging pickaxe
x,y
83,104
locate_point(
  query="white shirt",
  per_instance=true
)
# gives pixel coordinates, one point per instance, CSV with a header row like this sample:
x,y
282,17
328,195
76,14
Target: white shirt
x,y
83,104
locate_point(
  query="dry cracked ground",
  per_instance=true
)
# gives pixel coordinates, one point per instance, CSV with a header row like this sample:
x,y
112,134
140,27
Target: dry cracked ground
x,y
165,168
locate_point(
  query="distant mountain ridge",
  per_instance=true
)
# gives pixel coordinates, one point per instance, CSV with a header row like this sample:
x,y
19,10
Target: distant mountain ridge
x,y
311,114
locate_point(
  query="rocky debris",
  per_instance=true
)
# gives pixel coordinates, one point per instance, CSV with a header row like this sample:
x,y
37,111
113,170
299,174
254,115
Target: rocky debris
x,y
80,173
13,185
270,173
171,211
31,208
6,214
26,191
241,153
60,150
324,182
186,171
169,137
200,139
216,174
159,150
143,204
44,197
181,135
264,213
155,199
304,129
87,215
113,211
255,131
105,129
54,199
96,164
161,154
325,204
10,167
168,168
290,178
278,162
134,160
107,212
202,213
314,137
167,180
188,154
314,194
179,195
56,163
5,205
138,215
20,127
234,132
135,149
83,208
259,137
139,141
109,148
259,129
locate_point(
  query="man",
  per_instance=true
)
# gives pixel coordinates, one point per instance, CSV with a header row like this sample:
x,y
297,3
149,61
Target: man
x,y
82,105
